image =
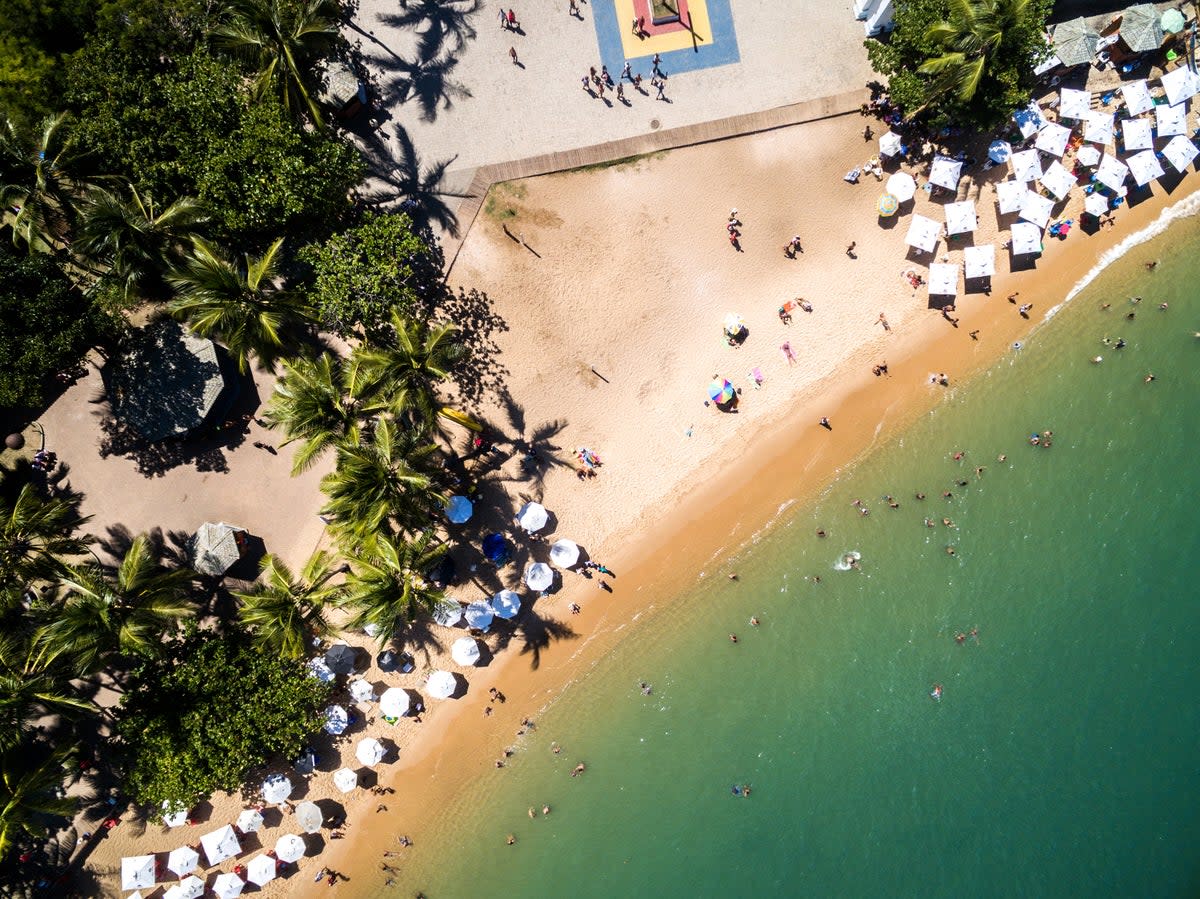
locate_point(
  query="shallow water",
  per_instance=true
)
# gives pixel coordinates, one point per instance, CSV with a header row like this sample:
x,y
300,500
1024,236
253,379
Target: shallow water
x,y
1060,758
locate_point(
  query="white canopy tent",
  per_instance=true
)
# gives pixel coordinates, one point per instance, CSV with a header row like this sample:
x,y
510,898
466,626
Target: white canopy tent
x,y
564,553
276,788
1026,165
923,233
361,690
979,261
1029,121
1098,128
369,751
532,517
1074,104
220,844
447,613
183,861
345,779
1136,96
137,872
1179,153
960,217
336,720
228,886
1053,139
1037,209
173,816
943,280
1010,195
506,604
479,615
890,143
465,651
539,576
1179,84
191,887
441,685
261,870
1144,167
1112,172
1026,239
945,172
1058,180
1136,135
1088,156
1170,120
290,848
1096,204
249,820
901,186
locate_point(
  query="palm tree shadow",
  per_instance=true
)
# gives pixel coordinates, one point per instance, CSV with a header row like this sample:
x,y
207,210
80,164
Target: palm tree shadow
x,y
440,24
479,371
407,181
419,637
428,82
535,634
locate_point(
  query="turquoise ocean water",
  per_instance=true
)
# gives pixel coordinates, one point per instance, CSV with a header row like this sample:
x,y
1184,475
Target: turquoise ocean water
x,y
1061,759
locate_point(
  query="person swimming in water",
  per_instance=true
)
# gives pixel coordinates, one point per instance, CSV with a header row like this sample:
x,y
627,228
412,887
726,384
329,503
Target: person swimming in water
x,y
936,692
960,637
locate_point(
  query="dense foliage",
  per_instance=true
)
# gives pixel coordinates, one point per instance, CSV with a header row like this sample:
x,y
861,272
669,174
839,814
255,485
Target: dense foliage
x,y
962,62
210,710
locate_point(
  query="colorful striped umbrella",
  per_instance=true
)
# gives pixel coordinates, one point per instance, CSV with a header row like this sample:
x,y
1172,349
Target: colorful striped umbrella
x,y
720,391
888,205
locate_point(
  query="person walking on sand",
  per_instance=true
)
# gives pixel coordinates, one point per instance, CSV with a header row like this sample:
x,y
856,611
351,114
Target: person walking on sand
x,y
883,321
621,91
627,71
662,87
850,249
573,8
513,24
512,53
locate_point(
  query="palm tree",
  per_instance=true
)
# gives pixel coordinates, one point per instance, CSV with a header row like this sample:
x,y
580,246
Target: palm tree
x,y
420,356
285,612
31,777
238,302
126,612
382,484
40,182
387,587
28,690
136,241
282,39
36,534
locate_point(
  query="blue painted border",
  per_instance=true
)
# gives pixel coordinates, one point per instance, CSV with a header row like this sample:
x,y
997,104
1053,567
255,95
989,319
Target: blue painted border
x,y
720,50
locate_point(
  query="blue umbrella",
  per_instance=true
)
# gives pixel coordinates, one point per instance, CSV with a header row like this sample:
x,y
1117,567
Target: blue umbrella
x,y
459,510
495,548
1000,151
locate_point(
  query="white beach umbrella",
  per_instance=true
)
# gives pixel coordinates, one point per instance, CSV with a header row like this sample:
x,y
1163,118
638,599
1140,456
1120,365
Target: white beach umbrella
x,y
1053,139
459,510
345,779
1058,180
1074,104
923,233
733,324
539,576
394,702
1029,121
137,872
362,691
479,615
1096,204
369,751
309,817
1037,209
1112,172
1088,156
276,788
249,820
1136,135
999,151
1098,127
183,861
565,553
506,604
465,651
532,517
1179,84
220,845
1010,195
447,613
173,816
191,887
1144,167
945,172
960,219
1170,120
890,143
336,720
943,279
1026,165
228,886
261,870
979,261
290,848
1026,239
901,186
441,685
1136,96
322,672
1179,153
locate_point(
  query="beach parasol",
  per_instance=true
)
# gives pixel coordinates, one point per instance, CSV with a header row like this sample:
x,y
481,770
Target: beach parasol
x,y
261,870
1136,96
306,761
1075,41
1098,128
890,143
960,217
923,233
220,845
173,815
539,576
191,887
945,172
999,151
506,604
1170,120
361,690
979,261
322,672
441,685
1180,152
720,391
228,886
1053,139
1179,84
532,517
394,702
276,788
290,848
215,547
309,817
1141,30
387,661
369,751
336,720
1144,167
733,325
564,553
1058,180
1026,239
1029,120
183,861
495,548
1010,195
249,820
1026,166
943,279
1087,156
1172,21
465,651
345,779
1112,172
888,205
1074,104
901,186
1136,135
1096,204
341,658
137,872
459,510
479,615
447,613
1037,209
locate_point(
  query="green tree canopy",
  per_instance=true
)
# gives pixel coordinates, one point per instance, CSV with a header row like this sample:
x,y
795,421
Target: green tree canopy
x,y
30,775
214,707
